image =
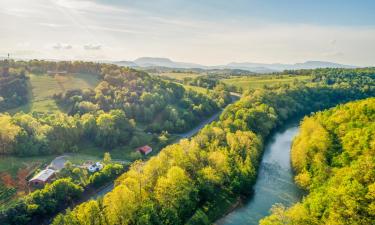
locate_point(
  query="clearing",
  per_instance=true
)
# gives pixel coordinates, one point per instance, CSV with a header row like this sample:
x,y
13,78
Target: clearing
x,y
178,75
253,82
42,87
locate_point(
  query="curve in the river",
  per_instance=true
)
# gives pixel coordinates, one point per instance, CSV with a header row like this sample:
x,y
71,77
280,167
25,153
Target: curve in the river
x,y
274,182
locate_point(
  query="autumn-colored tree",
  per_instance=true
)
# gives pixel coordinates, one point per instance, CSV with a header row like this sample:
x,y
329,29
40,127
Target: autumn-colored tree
x,y
21,179
7,180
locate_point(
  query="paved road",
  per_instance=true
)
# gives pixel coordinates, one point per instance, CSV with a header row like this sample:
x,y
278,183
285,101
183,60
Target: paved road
x,y
195,130
103,191
58,163
189,134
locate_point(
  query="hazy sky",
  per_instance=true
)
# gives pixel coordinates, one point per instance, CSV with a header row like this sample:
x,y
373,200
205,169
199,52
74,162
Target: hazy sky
x,y
201,31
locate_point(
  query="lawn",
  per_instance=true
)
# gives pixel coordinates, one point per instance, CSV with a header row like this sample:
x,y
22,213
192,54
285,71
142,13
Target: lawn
x,y
253,82
42,87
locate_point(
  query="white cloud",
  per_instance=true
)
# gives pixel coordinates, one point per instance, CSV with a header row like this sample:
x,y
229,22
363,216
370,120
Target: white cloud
x,y
92,47
62,46
89,6
128,33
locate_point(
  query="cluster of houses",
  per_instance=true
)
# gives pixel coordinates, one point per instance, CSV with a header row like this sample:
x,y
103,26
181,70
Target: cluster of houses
x,y
49,173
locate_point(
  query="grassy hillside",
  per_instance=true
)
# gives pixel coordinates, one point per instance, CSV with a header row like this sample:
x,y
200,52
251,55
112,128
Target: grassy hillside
x,y
42,87
179,75
252,82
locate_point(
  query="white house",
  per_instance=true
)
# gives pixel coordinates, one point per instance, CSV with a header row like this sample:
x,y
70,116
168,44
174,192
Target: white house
x,y
95,167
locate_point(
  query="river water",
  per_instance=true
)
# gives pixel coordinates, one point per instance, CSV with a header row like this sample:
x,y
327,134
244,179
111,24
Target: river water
x,y
274,182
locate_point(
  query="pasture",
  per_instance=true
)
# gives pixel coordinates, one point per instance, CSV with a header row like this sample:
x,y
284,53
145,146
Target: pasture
x,y
178,75
42,87
254,82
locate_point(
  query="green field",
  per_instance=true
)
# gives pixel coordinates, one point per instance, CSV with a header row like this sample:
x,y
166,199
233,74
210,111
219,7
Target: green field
x,y
11,164
253,82
197,89
178,76
42,87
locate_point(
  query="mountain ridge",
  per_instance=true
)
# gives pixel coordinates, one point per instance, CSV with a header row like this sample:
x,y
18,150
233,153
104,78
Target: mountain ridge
x,y
249,66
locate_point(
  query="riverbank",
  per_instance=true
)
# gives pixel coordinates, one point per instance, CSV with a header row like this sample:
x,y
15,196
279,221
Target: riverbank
x,y
274,182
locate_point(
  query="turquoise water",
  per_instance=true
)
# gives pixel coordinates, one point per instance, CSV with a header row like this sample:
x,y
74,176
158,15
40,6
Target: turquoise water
x,y
274,183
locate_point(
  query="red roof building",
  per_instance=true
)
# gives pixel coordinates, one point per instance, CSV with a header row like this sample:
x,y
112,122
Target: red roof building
x,y
145,150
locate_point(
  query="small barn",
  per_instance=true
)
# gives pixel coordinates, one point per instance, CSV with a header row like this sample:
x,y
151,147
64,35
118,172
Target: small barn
x,y
42,177
145,150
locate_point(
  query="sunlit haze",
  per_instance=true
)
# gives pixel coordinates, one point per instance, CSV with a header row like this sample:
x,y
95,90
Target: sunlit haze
x,y
207,32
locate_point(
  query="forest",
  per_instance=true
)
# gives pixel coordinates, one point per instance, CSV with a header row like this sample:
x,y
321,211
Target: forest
x,y
108,115
185,183
191,182
13,87
333,158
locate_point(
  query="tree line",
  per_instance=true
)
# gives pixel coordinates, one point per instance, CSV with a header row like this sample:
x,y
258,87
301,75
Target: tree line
x,y
185,182
160,105
334,160
106,115
28,135
13,86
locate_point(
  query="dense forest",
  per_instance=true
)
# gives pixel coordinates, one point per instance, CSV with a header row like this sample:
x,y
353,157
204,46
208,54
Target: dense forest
x,y
160,104
186,182
106,116
333,157
25,134
13,87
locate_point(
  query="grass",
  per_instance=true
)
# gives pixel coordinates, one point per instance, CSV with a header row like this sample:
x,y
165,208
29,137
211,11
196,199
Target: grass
x,y
178,76
197,89
42,87
11,164
254,82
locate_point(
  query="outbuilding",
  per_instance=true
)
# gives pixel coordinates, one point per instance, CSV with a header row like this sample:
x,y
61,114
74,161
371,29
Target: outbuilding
x,y
42,177
145,150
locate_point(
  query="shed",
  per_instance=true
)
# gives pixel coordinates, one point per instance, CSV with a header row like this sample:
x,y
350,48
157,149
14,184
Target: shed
x,y
145,150
42,177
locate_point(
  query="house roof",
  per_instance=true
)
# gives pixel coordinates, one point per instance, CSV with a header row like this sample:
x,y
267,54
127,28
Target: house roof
x,y
145,149
43,175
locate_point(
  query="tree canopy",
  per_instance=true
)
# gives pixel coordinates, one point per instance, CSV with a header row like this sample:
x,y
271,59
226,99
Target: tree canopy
x,y
222,159
334,159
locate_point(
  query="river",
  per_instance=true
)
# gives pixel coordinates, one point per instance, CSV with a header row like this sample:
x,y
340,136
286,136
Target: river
x,y
274,182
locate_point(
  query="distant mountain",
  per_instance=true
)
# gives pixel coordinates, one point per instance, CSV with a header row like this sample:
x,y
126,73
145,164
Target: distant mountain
x,y
164,62
320,64
281,67
126,63
153,62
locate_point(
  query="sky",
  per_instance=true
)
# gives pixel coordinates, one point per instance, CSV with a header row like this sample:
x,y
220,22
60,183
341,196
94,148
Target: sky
x,y
210,32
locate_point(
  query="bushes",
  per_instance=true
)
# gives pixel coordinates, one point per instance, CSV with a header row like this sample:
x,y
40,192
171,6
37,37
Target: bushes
x,y
108,173
13,88
46,201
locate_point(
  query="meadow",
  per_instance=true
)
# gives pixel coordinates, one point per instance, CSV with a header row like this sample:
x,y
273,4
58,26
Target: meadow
x,y
178,75
42,87
254,82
